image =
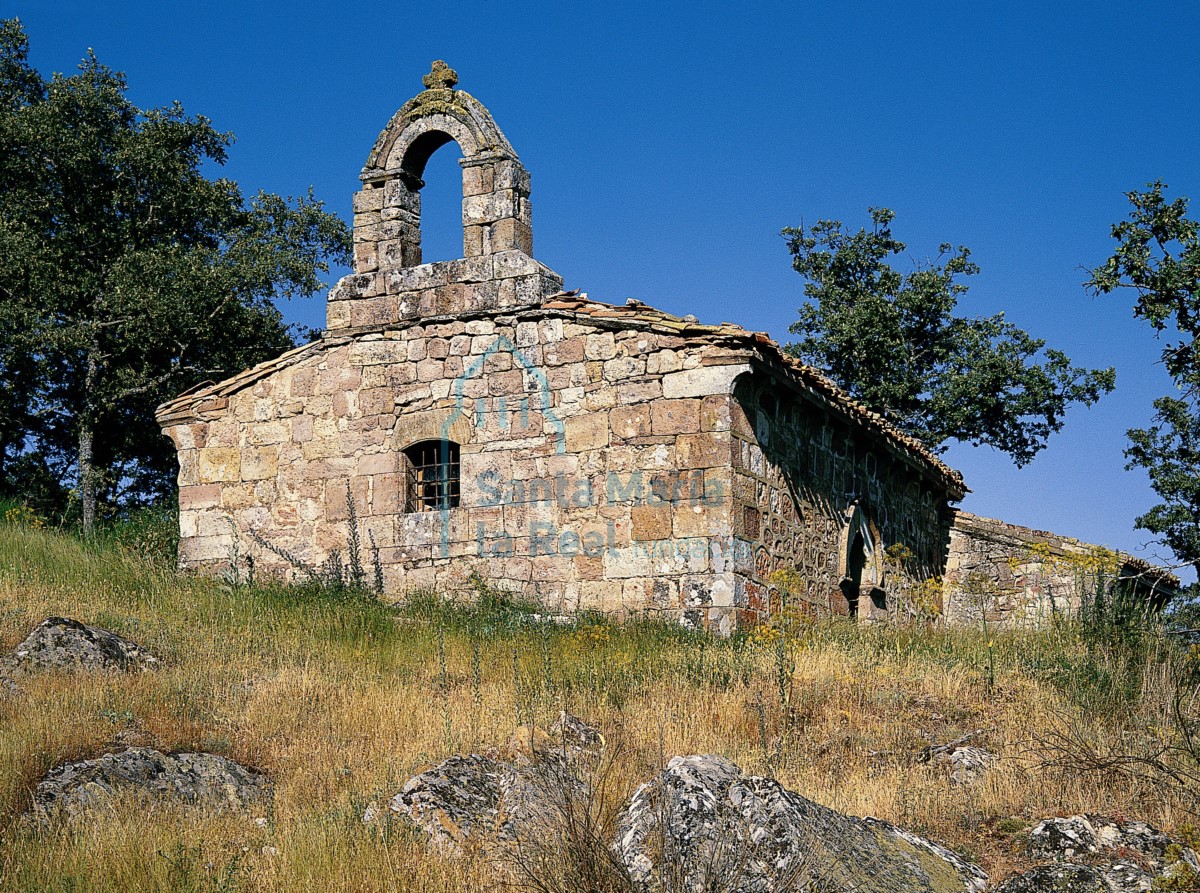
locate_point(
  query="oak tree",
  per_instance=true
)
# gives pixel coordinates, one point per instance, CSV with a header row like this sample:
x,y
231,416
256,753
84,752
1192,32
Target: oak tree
x,y
1157,258
891,338
127,275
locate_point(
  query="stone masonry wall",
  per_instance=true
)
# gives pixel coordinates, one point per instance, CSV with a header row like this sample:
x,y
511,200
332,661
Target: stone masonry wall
x,y
1015,575
596,464
799,475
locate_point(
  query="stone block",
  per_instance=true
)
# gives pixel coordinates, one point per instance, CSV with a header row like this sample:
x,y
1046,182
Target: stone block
x,y
469,269
503,383
702,381
598,399
397,194
219,464
377,353
587,432
366,257
473,241
198,549
511,174
508,264
702,450
630,421
651,522
662,362
387,493
356,285
337,315
414,279
526,334
259,463
621,368
600,346
691,520
624,562
478,179
199,496
564,352
715,413
367,199
680,416
373,311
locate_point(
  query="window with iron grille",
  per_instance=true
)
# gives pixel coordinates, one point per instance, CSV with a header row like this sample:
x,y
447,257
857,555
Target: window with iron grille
x,y
431,469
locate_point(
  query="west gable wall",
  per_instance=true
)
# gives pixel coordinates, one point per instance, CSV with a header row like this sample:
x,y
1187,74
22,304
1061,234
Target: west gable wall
x,y
596,463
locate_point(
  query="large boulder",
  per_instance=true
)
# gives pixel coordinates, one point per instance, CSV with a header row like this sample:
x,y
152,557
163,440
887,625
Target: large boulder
x,y
519,794
702,822
1097,854
1066,877
194,779
59,643
480,800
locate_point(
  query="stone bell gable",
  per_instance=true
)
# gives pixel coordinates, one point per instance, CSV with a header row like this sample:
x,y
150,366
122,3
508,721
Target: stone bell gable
x,y
497,269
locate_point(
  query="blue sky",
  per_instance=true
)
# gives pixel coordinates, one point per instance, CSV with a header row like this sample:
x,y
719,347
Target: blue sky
x,y
670,142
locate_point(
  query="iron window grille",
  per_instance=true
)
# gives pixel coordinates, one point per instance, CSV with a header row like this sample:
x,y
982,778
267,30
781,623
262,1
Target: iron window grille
x,y
432,470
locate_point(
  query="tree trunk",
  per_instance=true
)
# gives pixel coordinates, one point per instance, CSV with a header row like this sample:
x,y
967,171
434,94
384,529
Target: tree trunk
x,y
87,470
87,480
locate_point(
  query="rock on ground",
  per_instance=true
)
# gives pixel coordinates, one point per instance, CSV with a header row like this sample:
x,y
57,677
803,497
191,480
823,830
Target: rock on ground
x,y
702,822
1097,853
967,765
478,799
59,643
1063,878
195,779
486,799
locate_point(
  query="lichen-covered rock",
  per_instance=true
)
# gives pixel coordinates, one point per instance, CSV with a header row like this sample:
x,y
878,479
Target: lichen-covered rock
x,y
455,801
1097,853
1059,838
967,765
572,732
1063,878
702,820
477,799
195,779
59,643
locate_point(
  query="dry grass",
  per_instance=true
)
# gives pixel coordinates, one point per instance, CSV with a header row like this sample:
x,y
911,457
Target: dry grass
x,y
341,701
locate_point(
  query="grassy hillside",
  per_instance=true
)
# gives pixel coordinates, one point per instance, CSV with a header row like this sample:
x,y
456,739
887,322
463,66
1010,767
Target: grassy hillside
x,y
342,699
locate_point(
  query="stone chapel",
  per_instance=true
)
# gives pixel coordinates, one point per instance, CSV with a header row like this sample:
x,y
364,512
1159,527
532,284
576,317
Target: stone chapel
x,y
470,417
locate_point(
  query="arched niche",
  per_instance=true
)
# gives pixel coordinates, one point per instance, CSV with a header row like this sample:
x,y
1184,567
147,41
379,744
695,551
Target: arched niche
x,y
861,563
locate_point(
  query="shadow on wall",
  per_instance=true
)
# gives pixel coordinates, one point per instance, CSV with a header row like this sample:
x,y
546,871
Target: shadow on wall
x,y
817,499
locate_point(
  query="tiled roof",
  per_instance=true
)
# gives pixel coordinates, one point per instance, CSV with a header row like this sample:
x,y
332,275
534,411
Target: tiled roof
x,y
635,313
208,396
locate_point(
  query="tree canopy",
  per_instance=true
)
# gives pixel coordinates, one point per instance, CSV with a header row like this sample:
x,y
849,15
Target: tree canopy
x,y
1158,258
126,276
892,340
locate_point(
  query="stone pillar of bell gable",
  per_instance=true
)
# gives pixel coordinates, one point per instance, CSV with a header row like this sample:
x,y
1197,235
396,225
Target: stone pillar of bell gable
x,y
496,212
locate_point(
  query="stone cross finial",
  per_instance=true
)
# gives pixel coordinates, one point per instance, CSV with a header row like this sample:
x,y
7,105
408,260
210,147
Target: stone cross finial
x,y
441,77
